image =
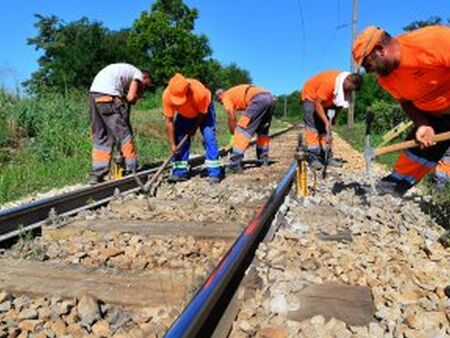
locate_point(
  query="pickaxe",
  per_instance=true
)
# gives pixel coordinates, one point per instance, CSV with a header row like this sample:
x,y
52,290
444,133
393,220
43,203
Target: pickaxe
x,y
370,154
147,186
330,114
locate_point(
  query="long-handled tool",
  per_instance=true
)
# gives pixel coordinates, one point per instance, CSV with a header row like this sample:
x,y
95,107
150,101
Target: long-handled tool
x,y
147,186
330,113
394,132
370,154
408,145
368,150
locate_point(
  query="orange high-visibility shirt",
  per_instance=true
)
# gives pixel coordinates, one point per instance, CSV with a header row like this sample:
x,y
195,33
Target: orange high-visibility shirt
x,y
423,75
197,102
239,97
321,86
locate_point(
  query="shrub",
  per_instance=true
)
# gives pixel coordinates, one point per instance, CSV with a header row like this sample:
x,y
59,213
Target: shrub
x,y
386,116
151,100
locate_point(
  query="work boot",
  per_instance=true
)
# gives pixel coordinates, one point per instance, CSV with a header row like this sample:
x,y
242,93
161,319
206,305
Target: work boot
x,y
177,178
388,187
264,162
234,169
214,180
315,164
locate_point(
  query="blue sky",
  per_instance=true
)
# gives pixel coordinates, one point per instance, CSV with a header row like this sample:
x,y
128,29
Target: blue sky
x,y
281,42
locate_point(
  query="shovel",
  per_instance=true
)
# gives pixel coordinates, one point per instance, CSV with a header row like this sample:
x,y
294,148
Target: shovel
x,y
147,186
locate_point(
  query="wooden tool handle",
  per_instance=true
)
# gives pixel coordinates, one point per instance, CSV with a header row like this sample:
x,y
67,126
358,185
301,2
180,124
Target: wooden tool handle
x,y
165,164
409,144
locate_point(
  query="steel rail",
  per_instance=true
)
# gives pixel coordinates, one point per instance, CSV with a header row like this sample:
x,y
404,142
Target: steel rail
x,y
202,314
32,215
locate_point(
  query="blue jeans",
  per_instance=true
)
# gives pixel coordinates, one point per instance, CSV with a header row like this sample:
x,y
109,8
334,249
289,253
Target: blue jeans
x,y
208,130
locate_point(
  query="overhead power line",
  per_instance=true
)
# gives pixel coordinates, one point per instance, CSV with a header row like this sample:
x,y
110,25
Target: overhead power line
x,y
302,26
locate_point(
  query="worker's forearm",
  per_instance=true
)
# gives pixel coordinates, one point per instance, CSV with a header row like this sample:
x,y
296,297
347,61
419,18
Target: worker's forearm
x,y
170,129
418,117
231,121
132,99
133,92
321,112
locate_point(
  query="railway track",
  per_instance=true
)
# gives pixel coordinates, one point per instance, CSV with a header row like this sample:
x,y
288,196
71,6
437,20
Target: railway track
x,y
31,216
127,266
235,261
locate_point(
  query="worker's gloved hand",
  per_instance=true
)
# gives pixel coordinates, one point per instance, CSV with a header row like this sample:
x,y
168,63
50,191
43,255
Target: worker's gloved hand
x,y
231,142
424,135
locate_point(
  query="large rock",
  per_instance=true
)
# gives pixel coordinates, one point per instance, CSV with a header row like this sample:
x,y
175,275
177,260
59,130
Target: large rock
x,y
88,309
28,314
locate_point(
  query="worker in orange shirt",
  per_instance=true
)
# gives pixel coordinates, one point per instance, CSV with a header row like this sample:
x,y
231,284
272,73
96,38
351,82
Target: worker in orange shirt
x,y
187,106
415,69
258,104
328,89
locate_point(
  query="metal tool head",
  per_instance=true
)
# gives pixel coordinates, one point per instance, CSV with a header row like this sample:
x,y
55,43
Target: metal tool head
x,y
369,154
331,113
140,183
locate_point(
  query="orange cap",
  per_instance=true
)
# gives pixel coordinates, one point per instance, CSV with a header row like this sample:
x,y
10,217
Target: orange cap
x,y
365,42
178,88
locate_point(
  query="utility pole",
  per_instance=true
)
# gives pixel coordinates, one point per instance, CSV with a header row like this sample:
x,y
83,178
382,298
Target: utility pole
x,y
285,106
351,109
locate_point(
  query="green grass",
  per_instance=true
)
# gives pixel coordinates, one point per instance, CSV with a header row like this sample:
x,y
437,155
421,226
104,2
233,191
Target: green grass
x,y
44,142
355,136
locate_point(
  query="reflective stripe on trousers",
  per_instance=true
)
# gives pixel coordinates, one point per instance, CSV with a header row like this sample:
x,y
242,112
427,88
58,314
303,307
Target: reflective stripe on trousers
x,y
110,124
256,119
315,138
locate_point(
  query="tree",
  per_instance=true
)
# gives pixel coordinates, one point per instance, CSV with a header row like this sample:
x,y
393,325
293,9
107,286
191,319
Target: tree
x,y
370,92
166,35
234,75
74,53
434,20
162,41
293,105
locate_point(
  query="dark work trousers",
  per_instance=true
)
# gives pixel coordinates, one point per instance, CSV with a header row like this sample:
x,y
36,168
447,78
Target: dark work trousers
x,y
413,164
257,118
110,124
315,139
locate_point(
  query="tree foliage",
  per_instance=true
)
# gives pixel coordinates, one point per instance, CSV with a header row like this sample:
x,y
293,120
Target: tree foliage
x,y
293,105
167,36
161,40
73,53
434,20
370,92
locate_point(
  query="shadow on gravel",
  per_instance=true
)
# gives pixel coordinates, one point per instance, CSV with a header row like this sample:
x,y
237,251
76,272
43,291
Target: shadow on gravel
x,y
359,189
439,211
254,164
